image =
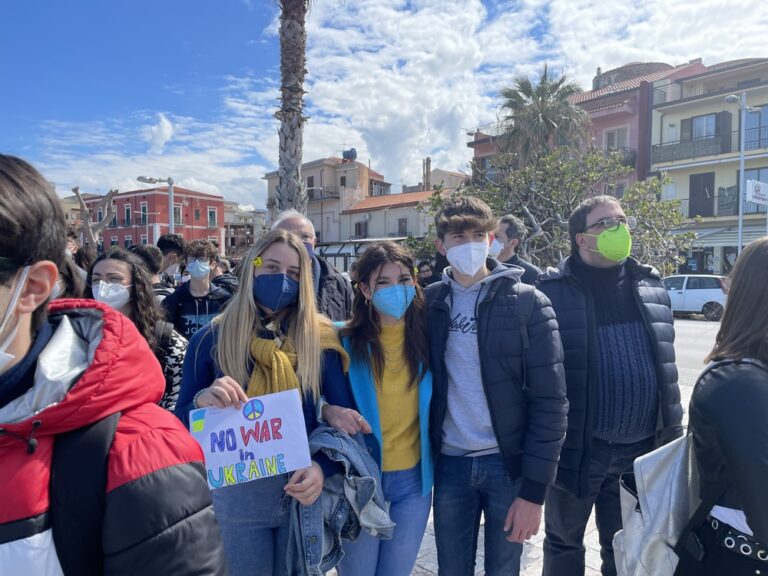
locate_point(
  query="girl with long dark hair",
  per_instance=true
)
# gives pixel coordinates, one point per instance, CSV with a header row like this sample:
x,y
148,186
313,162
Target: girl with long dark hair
x,y
392,388
119,279
730,431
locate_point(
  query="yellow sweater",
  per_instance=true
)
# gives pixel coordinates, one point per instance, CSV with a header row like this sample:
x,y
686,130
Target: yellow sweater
x,y
398,404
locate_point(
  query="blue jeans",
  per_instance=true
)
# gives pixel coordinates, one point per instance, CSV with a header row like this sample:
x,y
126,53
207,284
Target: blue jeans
x,y
409,510
465,487
254,525
566,516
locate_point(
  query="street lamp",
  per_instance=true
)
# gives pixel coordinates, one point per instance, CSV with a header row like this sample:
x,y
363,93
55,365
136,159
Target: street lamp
x,y
742,103
146,216
169,181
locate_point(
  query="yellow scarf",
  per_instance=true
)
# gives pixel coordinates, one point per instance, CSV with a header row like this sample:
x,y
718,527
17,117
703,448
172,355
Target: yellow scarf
x,y
274,368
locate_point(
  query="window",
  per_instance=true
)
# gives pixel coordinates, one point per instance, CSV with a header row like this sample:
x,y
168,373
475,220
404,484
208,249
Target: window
x,y
177,214
674,283
361,229
310,181
615,139
113,241
702,283
697,127
144,212
99,216
756,135
212,217
127,214
402,226
197,214
144,239
343,181
127,241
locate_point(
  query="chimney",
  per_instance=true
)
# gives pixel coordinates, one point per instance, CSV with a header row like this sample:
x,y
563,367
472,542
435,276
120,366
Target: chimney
x,y
596,81
427,179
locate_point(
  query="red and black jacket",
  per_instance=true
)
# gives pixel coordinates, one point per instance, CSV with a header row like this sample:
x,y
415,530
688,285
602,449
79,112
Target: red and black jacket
x,y
158,516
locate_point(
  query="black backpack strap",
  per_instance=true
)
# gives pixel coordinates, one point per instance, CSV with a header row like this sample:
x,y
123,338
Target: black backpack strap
x,y
163,334
78,494
526,299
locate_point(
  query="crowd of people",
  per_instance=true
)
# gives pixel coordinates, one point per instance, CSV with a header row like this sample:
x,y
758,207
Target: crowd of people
x,y
475,385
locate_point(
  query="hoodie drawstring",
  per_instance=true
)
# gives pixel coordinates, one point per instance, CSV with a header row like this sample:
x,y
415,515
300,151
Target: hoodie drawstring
x,y
30,440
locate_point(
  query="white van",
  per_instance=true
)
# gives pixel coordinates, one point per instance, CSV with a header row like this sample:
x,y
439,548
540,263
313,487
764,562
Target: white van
x,y
697,294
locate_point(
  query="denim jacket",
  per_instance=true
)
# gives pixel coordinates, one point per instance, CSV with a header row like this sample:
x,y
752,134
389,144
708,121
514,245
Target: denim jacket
x,y
349,503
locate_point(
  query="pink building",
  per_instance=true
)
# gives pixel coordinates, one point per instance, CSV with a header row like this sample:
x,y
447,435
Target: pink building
x,y
619,105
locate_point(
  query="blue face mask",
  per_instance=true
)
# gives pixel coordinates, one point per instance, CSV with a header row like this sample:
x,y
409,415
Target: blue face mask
x,y
310,248
394,300
198,269
275,291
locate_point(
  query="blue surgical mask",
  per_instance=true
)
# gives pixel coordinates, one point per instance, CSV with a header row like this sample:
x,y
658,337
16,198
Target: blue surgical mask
x,y
275,291
198,269
394,300
310,248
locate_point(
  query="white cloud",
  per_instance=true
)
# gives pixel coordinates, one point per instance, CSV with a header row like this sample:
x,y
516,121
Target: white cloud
x,y
398,80
159,134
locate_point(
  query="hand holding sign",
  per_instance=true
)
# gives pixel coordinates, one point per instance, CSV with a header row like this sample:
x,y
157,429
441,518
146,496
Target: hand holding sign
x,y
222,393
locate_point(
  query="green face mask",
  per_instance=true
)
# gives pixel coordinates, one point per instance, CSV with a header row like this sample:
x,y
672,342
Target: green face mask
x,y
614,245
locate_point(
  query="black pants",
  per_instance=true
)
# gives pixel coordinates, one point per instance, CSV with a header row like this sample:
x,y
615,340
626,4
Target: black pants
x,y
717,560
566,517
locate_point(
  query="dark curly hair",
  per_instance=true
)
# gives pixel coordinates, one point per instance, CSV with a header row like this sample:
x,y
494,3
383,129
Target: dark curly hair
x,y
145,310
365,326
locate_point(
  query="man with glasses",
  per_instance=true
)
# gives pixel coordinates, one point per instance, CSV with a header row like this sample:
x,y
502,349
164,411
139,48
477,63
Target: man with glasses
x,y
616,327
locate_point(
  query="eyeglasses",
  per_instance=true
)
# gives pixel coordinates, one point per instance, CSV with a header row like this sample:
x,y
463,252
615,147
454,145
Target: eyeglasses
x,y
609,224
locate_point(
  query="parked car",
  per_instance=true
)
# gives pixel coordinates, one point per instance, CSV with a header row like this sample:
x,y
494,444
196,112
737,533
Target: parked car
x,y
697,294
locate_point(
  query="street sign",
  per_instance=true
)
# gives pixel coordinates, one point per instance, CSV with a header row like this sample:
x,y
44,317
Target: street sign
x,y
757,192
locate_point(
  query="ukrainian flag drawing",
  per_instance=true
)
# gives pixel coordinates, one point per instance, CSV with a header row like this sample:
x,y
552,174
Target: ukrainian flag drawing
x,y
197,420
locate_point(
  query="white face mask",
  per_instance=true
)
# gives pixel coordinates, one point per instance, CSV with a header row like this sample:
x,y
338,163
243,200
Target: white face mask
x,y
496,248
468,258
113,295
6,358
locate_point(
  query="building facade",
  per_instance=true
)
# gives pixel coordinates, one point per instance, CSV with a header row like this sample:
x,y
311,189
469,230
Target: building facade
x,y
242,225
334,185
141,216
696,143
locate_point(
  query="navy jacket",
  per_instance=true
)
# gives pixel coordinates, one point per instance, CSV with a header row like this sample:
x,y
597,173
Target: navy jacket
x,y
188,314
575,311
531,273
524,386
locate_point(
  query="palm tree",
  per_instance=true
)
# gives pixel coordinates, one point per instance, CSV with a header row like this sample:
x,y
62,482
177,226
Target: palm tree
x,y
293,43
541,116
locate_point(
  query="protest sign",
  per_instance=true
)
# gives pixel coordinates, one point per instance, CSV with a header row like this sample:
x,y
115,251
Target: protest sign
x,y
264,437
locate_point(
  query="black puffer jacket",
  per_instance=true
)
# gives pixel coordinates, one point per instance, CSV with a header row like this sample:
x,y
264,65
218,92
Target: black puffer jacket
x,y
334,293
576,318
730,436
525,387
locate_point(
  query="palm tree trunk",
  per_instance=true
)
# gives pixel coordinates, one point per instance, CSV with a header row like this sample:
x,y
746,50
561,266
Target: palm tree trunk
x,y
293,42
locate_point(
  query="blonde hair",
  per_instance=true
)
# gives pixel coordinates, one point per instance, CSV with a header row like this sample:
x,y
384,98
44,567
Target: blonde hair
x,y
240,320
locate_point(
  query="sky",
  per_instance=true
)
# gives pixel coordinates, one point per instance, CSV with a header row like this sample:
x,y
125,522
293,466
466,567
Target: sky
x,y
96,93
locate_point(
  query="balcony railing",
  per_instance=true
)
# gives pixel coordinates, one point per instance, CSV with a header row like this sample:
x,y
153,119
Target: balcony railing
x,y
628,155
675,91
754,139
720,205
323,193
